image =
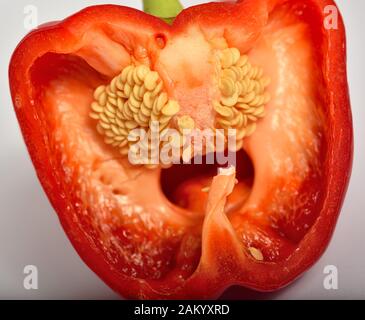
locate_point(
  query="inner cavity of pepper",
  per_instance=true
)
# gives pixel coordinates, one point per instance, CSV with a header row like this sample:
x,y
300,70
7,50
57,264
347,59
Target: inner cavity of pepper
x,y
137,98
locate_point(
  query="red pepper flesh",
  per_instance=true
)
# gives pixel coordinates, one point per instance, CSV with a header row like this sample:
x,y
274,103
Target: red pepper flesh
x,y
174,253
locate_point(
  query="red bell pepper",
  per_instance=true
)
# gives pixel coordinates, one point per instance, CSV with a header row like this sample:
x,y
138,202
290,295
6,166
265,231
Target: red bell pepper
x,y
149,234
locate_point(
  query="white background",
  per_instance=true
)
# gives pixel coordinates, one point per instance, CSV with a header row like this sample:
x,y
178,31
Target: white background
x,y
31,234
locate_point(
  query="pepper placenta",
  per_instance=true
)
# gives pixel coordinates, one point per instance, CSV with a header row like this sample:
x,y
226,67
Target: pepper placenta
x,y
268,68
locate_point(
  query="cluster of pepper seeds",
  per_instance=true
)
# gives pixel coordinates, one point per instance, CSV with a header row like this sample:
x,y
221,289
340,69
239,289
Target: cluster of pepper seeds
x,y
243,96
134,99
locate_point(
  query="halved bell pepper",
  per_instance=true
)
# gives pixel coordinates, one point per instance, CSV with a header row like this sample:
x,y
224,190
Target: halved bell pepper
x,y
184,232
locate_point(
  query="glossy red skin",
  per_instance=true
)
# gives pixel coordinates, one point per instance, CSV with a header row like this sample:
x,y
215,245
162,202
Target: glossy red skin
x,y
257,276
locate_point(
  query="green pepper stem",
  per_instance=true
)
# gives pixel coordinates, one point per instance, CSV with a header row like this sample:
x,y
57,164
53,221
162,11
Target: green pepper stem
x,y
164,9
